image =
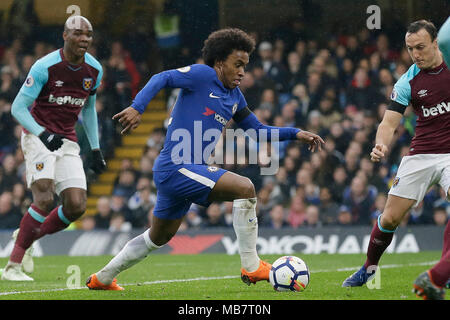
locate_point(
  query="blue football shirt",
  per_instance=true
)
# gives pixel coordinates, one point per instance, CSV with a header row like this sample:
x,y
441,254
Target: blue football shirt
x,y
203,108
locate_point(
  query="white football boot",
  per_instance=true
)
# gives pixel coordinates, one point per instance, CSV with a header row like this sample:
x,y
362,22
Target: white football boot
x,y
27,261
13,272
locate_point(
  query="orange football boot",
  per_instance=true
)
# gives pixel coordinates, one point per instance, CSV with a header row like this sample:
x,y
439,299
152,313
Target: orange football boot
x,y
93,284
262,273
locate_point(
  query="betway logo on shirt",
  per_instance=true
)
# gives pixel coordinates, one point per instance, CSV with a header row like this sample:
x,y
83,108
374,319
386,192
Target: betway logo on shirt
x,y
440,108
66,100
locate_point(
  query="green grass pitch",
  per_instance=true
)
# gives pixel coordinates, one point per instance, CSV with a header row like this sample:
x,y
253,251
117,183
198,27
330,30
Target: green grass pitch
x,y
214,277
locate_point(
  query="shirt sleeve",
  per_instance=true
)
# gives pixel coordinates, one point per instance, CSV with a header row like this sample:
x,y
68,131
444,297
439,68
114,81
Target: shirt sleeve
x,y
19,110
99,78
246,120
402,91
444,41
90,122
186,78
30,90
35,81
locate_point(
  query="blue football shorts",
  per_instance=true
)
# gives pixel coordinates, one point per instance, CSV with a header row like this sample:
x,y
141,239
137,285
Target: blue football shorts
x,y
178,189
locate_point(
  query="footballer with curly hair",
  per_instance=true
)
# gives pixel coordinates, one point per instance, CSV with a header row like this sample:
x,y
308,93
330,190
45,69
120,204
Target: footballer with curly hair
x,y
209,98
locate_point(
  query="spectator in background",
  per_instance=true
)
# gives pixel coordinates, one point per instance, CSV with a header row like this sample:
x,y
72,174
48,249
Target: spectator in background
x,y
140,203
328,207
193,218
20,197
361,92
7,142
118,203
118,223
440,216
88,223
274,70
228,213
9,84
277,218
10,215
264,205
328,115
103,214
126,184
300,93
106,129
296,70
344,217
360,199
214,216
9,176
378,207
312,217
297,212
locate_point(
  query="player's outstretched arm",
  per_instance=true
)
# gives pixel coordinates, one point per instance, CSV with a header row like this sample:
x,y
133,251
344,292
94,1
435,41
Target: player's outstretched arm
x,y
129,118
444,41
247,120
385,133
186,78
315,141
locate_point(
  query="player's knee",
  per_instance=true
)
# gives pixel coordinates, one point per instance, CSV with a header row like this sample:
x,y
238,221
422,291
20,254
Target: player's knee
x,y
44,201
247,189
74,206
389,221
43,195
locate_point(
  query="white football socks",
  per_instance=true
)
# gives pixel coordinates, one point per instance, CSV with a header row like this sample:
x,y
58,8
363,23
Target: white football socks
x,y
245,224
133,252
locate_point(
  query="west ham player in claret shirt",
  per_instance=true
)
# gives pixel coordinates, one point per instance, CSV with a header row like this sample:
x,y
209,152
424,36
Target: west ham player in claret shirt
x,y
59,86
425,86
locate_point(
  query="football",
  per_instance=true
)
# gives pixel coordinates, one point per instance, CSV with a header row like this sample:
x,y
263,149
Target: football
x,y
289,273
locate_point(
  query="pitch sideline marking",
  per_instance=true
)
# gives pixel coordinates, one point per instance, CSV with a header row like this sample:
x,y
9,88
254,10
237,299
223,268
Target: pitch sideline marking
x,y
388,266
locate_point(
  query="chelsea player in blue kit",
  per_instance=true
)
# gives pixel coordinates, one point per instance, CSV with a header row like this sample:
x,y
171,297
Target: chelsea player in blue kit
x,y
209,98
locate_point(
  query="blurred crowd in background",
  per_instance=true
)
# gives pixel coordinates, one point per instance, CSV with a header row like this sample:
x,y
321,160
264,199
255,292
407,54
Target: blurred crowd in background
x,y
338,89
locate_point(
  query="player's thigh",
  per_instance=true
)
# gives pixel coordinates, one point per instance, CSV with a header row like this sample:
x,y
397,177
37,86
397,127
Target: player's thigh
x,y
189,182
395,210
39,164
232,186
415,175
43,194
69,171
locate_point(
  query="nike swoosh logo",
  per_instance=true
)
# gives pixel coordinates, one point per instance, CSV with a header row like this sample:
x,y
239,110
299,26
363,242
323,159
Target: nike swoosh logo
x,y
251,220
211,95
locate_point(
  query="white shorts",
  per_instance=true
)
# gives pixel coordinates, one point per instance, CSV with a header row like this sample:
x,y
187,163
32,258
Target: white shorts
x,y
64,165
417,173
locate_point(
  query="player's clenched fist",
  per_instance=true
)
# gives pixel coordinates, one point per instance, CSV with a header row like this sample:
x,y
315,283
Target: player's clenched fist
x,y
378,152
52,141
129,118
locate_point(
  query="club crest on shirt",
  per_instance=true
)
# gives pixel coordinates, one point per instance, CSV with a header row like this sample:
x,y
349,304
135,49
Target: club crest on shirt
x,y
395,182
233,110
39,166
184,69
212,169
87,83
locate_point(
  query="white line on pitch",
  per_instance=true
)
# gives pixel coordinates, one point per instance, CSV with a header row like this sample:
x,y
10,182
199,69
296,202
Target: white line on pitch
x,y
387,266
